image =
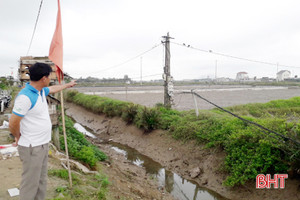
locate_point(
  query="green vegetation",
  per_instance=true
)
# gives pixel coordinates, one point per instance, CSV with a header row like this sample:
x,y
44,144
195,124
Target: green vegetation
x,y
5,83
250,151
288,109
63,174
93,187
79,147
141,116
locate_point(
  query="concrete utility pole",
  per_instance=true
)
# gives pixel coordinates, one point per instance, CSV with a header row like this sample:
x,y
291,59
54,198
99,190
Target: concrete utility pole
x,y
168,82
277,73
216,67
141,82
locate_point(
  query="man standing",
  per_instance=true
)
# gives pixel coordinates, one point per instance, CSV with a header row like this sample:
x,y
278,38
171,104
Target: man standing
x,y
31,125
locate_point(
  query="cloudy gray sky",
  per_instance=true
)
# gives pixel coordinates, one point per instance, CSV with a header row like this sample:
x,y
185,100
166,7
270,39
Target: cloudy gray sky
x,y
99,35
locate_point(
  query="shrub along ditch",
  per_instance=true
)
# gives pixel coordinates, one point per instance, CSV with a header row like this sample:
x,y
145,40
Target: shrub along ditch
x,y
250,151
79,147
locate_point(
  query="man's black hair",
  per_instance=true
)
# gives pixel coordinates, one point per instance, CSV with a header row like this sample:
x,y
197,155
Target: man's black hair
x,y
39,70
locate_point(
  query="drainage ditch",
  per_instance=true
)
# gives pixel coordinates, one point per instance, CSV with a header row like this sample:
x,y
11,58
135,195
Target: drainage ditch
x,y
179,187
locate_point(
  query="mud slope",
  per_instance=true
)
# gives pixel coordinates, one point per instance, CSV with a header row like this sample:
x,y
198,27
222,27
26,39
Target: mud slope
x,y
178,157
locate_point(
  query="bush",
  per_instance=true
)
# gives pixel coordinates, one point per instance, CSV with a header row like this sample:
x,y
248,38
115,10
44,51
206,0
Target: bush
x,y
250,154
71,94
168,116
79,147
87,155
129,112
147,119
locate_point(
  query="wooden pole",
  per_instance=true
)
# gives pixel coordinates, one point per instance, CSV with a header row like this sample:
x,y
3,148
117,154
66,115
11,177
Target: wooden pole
x,y
65,135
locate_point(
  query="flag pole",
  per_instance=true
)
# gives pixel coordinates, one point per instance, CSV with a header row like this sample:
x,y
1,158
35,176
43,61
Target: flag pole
x,y
65,135
56,56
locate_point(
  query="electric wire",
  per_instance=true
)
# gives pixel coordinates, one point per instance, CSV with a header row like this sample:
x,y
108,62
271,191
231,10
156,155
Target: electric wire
x,y
245,120
235,57
127,61
257,126
134,78
36,21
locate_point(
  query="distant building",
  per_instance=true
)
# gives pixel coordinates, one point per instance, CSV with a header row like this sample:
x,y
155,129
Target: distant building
x,y
222,79
265,79
242,76
283,74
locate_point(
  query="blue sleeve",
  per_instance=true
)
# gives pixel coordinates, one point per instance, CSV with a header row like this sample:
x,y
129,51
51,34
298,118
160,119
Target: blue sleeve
x,y
46,90
18,114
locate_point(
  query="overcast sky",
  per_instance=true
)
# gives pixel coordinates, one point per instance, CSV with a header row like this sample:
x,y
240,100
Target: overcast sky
x,y
99,35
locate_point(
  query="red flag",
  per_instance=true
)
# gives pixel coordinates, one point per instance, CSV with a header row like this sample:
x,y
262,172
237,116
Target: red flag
x,y
56,47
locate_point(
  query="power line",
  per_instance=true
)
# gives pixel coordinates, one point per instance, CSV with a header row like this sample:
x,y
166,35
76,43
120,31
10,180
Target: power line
x,y
147,76
37,19
258,126
127,61
264,129
235,57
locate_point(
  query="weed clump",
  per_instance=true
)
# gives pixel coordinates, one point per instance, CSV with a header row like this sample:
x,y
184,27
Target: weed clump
x,y
147,119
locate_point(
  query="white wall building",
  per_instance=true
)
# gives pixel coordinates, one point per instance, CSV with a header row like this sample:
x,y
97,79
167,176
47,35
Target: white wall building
x,y
242,76
283,74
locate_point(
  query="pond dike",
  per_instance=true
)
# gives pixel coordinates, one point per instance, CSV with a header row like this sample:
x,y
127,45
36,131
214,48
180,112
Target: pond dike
x,y
188,160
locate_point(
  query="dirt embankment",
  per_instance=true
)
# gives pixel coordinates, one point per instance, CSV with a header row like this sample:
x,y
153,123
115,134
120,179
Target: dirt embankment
x,y
178,157
128,180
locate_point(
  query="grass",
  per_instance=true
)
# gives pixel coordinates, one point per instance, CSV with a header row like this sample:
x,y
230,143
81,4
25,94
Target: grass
x,y
94,187
250,151
79,147
278,108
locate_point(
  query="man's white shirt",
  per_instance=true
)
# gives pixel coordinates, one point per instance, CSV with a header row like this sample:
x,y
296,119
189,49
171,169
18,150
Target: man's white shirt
x,y
35,126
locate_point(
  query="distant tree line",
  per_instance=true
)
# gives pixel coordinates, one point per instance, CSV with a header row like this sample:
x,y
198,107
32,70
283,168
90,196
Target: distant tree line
x,y
104,80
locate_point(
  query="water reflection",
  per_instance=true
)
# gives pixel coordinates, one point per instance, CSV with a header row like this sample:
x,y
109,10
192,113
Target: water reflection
x,y
83,130
179,187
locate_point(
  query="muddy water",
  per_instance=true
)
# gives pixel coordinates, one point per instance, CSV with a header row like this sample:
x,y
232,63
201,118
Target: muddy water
x,y
179,187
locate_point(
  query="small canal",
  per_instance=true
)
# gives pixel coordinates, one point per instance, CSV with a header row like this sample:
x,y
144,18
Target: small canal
x,y
179,187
